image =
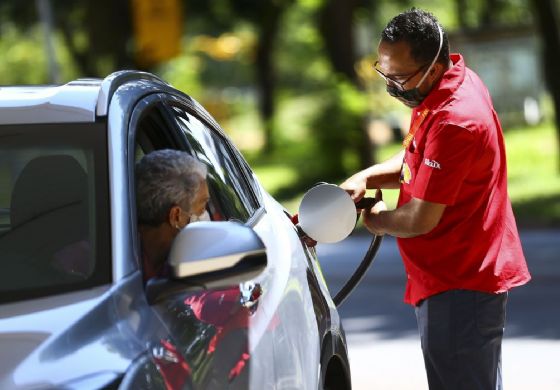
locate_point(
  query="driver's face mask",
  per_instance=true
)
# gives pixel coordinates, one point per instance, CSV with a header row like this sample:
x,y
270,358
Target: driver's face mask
x,y
204,216
413,97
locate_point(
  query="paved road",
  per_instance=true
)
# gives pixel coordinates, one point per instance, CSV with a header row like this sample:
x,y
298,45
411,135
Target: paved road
x,y
381,330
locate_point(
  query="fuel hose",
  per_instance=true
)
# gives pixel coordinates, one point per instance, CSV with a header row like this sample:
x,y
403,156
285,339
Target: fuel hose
x,y
357,276
311,219
359,273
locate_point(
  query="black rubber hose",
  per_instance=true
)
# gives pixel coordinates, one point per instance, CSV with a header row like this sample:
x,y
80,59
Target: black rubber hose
x,y
360,271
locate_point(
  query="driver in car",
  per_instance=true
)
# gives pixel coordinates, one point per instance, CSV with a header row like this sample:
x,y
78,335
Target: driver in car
x,y
171,192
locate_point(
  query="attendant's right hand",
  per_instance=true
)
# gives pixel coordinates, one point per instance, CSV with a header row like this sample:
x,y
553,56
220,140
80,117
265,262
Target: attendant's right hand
x,y
355,186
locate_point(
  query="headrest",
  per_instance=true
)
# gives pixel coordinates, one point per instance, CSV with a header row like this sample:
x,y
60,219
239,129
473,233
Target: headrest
x,y
45,184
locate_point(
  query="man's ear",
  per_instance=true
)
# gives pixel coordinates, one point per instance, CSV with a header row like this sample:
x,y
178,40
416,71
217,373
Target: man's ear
x,y
174,216
436,71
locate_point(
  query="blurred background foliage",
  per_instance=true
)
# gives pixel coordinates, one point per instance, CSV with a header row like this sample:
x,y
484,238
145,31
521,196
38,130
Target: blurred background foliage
x,y
291,81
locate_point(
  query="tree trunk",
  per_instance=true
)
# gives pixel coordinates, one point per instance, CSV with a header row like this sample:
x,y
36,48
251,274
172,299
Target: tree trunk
x,y
85,67
491,9
461,8
108,27
546,13
266,74
335,24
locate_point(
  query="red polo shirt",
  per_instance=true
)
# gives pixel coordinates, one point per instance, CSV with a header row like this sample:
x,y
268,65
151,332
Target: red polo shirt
x,y
457,158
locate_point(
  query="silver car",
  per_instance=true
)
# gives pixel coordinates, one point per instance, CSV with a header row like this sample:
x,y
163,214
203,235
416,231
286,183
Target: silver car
x,y
75,312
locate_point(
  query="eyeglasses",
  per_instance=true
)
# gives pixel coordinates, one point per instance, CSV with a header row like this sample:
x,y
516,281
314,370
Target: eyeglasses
x,y
393,81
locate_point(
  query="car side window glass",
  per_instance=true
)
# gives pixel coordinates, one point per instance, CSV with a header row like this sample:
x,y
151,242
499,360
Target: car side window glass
x,y
230,195
53,199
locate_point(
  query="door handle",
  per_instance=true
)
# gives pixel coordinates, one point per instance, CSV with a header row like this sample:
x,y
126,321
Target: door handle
x,y
250,292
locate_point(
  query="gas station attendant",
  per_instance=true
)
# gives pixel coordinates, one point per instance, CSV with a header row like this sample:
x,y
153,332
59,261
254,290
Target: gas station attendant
x,y
454,223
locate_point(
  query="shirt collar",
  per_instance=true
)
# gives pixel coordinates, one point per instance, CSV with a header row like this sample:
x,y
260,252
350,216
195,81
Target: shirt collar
x,y
449,83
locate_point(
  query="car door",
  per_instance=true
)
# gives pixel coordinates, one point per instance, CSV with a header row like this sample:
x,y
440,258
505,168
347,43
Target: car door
x,y
284,341
55,257
208,329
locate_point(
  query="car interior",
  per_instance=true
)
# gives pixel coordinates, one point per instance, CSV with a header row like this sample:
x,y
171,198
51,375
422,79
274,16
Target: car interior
x,y
48,237
54,232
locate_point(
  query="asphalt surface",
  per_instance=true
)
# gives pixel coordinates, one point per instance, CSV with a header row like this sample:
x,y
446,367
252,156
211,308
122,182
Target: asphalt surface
x,y
383,341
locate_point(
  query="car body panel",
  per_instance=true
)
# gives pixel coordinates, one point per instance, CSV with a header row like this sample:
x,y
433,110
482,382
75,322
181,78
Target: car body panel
x,y
73,102
277,330
118,117
285,289
91,332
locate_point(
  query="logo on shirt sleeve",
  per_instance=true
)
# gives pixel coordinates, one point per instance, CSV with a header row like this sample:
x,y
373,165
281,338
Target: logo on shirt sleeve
x,y
432,163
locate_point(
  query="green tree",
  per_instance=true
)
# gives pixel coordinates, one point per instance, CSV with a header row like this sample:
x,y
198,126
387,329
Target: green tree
x,y
97,33
339,126
266,18
546,12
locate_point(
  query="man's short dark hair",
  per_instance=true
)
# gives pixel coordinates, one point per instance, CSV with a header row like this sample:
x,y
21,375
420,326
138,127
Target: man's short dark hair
x,y
420,30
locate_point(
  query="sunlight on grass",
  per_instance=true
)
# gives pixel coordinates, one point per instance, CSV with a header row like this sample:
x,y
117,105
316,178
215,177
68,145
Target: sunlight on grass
x,y
274,177
533,175
244,131
532,163
301,108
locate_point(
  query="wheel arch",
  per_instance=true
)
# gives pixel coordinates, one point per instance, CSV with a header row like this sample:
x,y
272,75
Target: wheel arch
x,y
335,367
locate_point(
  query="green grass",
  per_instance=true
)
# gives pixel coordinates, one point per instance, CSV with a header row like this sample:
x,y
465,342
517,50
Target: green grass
x,y
533,176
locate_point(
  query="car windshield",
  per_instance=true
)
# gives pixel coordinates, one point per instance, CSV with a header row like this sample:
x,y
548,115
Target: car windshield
x,y
54,221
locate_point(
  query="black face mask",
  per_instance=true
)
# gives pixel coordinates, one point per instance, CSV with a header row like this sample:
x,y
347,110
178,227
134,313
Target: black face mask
x,y
410,97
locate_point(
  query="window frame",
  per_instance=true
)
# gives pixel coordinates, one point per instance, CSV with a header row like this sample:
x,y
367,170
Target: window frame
x,y
246,174
176,138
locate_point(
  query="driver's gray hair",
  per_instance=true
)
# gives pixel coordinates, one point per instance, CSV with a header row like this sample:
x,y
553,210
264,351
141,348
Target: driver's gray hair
x,y
165,178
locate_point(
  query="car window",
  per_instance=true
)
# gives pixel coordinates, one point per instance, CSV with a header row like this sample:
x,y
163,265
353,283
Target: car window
x,y
154,130
231,196
53,209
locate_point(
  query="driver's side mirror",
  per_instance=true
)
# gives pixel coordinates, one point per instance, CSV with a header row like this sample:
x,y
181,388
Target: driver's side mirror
x,y
210,255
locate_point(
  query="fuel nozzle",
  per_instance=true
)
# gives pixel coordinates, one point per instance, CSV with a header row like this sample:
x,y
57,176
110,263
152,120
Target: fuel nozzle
x,y
365,203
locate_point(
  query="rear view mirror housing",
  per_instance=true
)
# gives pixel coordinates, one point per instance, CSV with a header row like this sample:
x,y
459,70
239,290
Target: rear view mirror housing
x,y
210,255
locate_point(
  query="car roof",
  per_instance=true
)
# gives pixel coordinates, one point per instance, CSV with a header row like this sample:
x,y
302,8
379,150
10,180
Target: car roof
x,y
81,100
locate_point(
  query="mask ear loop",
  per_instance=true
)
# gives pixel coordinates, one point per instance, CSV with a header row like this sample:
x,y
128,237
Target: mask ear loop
x,y
435,58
